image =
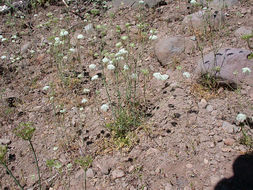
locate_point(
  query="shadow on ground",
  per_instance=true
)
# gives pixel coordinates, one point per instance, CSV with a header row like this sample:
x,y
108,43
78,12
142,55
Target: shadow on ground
x,y
243,175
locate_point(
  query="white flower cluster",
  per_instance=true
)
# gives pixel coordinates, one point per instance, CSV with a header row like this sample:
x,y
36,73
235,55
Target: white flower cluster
x,y
186,74
64,32
159,76
104,107
92,66
246,69
121,52
241,117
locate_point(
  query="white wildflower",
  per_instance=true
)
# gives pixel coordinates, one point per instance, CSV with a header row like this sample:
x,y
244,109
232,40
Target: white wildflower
x,y
80,76
241,117
119,58
153,37
63,110
35,15
4,39
86,91
32,51
95,77
193,2
159,76
65,57
14,37
55,148
72,50
121,52
84,101
57,39
246,69
126,67
64,32
3,57
1,37
134,76
110,67
141,2
104,107
45,88
81,108
92,66
187,74
80,37
105,60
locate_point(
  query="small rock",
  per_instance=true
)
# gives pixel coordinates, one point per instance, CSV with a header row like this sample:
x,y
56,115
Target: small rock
x,y
5,141
89,28
209,108
117,174
168,49
25,47
229,141
214,180
243,31
189,166
168,186
131,169
205,161
202,104
229,128
89,173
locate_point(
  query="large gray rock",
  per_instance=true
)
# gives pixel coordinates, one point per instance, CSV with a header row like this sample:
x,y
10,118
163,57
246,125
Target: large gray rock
x,y
218,4
201,19
230,61
244,30
117,4
168,49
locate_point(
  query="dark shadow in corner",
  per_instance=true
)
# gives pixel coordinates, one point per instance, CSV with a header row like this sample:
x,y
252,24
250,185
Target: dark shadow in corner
x,y
243,175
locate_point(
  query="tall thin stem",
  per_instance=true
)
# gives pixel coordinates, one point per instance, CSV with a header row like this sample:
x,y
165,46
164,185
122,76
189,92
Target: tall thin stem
x,y
15,179
36,161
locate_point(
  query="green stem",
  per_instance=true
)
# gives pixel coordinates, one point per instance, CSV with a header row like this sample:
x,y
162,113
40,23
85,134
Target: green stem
x,y
36,161
84,179
15,179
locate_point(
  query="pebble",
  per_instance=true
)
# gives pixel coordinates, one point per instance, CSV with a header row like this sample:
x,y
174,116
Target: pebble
x,y
117,174
229,141
89,173
168,186
202,104
189,166
214,180
229,128
209,108
205,161
131,169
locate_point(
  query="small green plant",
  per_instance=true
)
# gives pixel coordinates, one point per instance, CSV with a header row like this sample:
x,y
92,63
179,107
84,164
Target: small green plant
x,y
26,131
3,152
247,38
85,163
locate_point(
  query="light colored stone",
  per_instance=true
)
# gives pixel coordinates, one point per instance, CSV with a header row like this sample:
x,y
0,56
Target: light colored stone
x,y
199,19
25,47
169,49
244,30
168,186
89,173
131,169
230,62
229,141
209,108
214,180
202,104
189,166
117,174
229,128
